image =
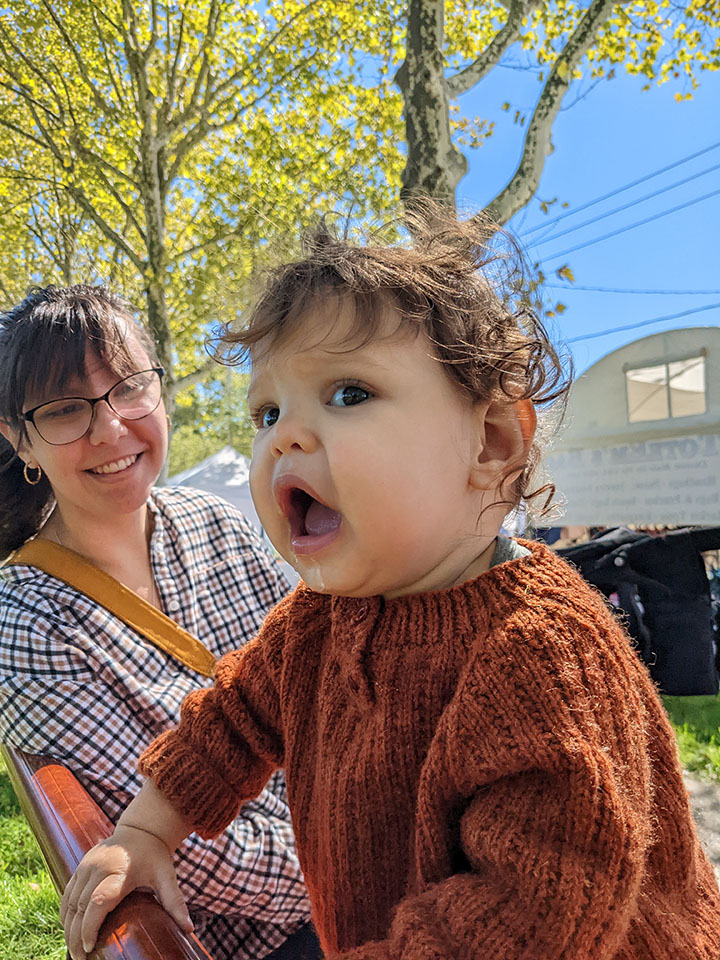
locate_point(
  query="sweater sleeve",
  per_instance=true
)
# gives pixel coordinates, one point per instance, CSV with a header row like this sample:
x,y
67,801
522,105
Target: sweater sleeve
x,y
230,737
553,789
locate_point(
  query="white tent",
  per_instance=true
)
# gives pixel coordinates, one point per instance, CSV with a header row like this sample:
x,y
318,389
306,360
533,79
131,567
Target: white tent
x,y
226,474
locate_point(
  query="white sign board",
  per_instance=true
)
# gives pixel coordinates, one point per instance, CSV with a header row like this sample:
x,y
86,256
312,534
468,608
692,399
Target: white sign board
x,y
675,480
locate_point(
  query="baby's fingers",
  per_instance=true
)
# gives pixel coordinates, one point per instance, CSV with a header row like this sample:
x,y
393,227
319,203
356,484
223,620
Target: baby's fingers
x,y
104,898
168,893
85,909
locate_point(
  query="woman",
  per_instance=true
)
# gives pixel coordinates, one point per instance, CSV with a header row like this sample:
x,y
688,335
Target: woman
x,y
84,436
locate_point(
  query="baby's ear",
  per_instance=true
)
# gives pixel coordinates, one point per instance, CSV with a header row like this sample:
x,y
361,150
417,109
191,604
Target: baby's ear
x,y
506,434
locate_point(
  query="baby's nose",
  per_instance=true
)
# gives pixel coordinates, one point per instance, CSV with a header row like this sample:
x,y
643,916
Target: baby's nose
x,y
293,433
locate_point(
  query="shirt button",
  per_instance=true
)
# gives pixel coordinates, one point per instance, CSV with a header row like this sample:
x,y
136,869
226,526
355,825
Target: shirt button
x,y
173,605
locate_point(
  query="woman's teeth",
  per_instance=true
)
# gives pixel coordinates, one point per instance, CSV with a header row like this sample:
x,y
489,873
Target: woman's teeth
x,y
116,466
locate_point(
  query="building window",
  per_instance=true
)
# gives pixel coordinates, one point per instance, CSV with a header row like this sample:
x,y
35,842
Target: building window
x,y
672,389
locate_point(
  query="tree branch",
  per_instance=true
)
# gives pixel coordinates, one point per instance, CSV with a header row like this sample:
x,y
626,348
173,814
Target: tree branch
x,y
100,101
24,93
22,201
20,53
469,76
99,163
537,144
210,242
203,78
40,237
23,133
192,378
112,235
116,81
99,8
171,76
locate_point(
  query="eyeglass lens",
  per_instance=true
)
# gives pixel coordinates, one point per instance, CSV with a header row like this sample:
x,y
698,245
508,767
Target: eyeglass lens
x,y
135,397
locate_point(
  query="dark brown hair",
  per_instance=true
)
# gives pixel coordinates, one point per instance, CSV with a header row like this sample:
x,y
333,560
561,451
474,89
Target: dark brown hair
x,y
43,342
462,283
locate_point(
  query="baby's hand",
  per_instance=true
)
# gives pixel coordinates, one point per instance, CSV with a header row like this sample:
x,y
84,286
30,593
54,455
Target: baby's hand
x,y
129,859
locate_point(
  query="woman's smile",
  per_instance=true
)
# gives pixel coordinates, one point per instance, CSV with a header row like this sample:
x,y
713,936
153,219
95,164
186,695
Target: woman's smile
x,y
119,465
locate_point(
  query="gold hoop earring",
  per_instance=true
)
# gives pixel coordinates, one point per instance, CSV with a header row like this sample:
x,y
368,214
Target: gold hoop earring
x,y
169,422
28,479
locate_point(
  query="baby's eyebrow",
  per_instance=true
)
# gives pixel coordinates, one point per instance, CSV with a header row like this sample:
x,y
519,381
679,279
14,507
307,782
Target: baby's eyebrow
x,y
329,360
250,394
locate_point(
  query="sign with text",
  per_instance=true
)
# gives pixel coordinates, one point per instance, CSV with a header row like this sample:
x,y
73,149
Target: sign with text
x,y
675,480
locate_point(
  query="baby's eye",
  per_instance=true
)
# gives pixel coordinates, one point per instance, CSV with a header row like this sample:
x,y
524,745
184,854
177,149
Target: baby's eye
x,y
266,417
349,395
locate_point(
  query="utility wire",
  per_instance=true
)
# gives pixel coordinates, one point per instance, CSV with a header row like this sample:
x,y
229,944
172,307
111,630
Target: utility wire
x,y
666,293
631,226
614,193
644,323
626,206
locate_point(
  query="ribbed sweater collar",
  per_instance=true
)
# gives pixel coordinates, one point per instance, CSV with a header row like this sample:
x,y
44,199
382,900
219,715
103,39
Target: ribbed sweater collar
x,y
457,615
446,606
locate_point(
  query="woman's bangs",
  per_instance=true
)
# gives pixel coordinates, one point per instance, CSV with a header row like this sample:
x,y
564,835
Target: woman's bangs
x,y
52,361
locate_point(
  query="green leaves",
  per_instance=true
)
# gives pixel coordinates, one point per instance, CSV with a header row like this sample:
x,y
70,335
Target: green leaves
x,y
180,141
169,148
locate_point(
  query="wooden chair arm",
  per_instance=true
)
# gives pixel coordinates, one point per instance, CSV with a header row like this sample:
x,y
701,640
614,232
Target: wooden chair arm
x,y
67,822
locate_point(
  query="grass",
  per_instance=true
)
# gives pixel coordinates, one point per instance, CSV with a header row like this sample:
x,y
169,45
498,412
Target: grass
x,y
697,727
29,925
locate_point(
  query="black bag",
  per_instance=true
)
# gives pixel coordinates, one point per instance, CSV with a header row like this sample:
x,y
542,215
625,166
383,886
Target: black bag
x,y
664,594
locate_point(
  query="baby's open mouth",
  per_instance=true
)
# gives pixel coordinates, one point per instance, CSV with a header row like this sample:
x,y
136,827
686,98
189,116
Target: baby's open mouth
x,y
310,518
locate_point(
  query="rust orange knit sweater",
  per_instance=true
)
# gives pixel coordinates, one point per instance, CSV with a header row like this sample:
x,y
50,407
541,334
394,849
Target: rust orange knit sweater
x,y
482,772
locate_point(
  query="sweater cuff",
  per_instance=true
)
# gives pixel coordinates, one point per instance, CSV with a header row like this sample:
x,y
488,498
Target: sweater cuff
x,y
191,786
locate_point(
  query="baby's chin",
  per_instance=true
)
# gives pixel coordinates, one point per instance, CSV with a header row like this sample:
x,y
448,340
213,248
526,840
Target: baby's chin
x,y
313,576
322,579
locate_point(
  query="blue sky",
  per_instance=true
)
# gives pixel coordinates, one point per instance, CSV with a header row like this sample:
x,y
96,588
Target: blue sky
x,y
603,140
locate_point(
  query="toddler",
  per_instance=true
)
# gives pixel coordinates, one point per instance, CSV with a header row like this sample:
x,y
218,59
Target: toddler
x,y
478,765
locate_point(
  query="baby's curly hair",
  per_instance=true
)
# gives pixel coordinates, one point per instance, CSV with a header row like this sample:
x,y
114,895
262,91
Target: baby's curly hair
x,y
462,283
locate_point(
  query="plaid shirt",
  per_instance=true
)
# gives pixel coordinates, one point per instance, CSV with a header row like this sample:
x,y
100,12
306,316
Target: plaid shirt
x,y
78,684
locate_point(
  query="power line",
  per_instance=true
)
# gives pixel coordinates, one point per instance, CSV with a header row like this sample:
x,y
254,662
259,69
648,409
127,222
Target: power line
x,y
631,203
665,293
631,226
614,193
644,323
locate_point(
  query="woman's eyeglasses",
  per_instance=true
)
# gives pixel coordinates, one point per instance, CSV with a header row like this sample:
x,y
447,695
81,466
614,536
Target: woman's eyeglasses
x,y
69,419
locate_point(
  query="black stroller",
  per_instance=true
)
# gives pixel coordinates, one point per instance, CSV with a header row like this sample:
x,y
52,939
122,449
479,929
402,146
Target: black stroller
x,y
661,590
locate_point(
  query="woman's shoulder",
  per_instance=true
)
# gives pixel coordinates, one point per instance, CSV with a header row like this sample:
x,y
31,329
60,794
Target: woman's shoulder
x,y
26,591
41,623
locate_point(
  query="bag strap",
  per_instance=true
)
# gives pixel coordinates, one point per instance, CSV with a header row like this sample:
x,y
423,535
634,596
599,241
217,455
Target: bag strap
x,y
137,613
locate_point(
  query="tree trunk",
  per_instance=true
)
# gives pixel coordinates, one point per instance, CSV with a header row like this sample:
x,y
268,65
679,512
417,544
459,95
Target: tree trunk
x,y
434,165
153,186
538,139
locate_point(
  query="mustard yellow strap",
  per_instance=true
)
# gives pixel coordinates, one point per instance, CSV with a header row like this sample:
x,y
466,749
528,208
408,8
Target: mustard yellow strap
x,y
137,613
